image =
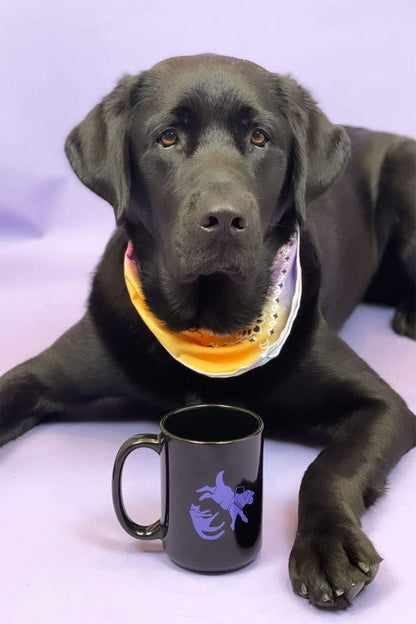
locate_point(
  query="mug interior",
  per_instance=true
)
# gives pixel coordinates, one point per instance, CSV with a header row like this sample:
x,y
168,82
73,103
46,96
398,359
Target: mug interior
x,y
211,424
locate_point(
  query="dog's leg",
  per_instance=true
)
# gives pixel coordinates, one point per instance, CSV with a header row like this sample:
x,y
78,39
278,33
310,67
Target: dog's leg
x,y
397,197
75,368
370,428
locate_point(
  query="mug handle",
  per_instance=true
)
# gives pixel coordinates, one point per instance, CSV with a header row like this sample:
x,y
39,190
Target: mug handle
x,y
150,531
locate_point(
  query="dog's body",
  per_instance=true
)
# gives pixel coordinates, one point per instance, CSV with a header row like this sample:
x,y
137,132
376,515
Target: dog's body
x,y
209,163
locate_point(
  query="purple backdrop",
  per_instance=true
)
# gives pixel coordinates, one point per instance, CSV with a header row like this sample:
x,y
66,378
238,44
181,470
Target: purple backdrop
x,y
58,59
64,558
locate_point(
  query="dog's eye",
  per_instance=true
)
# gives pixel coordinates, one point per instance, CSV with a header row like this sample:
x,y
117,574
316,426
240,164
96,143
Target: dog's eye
x,y
259,138
169,138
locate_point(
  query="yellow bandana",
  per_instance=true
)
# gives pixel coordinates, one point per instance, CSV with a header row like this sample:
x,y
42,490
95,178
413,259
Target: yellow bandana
x,y
226,356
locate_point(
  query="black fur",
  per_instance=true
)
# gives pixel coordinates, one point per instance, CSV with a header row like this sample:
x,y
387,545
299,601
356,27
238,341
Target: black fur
x,y
206,216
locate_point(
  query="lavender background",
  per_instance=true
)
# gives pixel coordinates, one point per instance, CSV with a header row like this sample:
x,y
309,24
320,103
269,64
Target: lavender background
x,y
64,557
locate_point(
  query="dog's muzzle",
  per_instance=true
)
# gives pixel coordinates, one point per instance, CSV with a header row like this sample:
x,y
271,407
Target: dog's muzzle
x,y
221,237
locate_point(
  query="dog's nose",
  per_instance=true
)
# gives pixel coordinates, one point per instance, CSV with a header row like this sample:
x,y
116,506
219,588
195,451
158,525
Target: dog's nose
x,y
223,219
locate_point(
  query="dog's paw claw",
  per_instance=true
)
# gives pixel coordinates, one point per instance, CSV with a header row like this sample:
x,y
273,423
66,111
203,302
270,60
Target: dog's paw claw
x,y
354,590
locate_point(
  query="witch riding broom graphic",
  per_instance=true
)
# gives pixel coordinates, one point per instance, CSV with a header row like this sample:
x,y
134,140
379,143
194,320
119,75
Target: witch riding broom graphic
x,y
232,501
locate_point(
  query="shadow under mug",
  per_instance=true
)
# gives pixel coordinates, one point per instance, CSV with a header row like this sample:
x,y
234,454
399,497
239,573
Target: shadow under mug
x,y
212,482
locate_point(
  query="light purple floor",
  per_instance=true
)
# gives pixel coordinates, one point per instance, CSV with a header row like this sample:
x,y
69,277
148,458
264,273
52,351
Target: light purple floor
x,y
65,559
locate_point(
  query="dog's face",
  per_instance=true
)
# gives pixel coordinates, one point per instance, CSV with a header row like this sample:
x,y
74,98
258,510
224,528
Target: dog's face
x,y
208,161
211,157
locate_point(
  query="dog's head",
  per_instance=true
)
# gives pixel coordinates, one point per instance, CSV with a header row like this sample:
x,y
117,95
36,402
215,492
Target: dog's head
x,y
208,161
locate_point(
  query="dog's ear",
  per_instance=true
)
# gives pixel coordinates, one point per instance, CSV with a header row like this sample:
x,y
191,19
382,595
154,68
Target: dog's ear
x,y
98,151
320,149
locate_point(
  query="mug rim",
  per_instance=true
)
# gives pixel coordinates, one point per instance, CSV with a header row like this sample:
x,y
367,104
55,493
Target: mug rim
x,y
198,406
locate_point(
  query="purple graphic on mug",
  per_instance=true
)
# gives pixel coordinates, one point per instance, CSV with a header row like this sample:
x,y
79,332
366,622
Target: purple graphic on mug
x,y
232,501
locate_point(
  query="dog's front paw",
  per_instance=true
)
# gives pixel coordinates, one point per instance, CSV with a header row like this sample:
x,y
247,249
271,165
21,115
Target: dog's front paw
x,y
331,564
404,320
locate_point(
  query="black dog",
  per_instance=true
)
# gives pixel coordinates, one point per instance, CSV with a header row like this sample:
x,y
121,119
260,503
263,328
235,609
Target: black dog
x,y
211,163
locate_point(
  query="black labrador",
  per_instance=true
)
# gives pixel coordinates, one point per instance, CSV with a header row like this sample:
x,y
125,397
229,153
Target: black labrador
x,y
211,163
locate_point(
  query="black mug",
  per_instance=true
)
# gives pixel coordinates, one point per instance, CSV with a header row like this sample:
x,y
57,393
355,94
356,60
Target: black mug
x,y
212,482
